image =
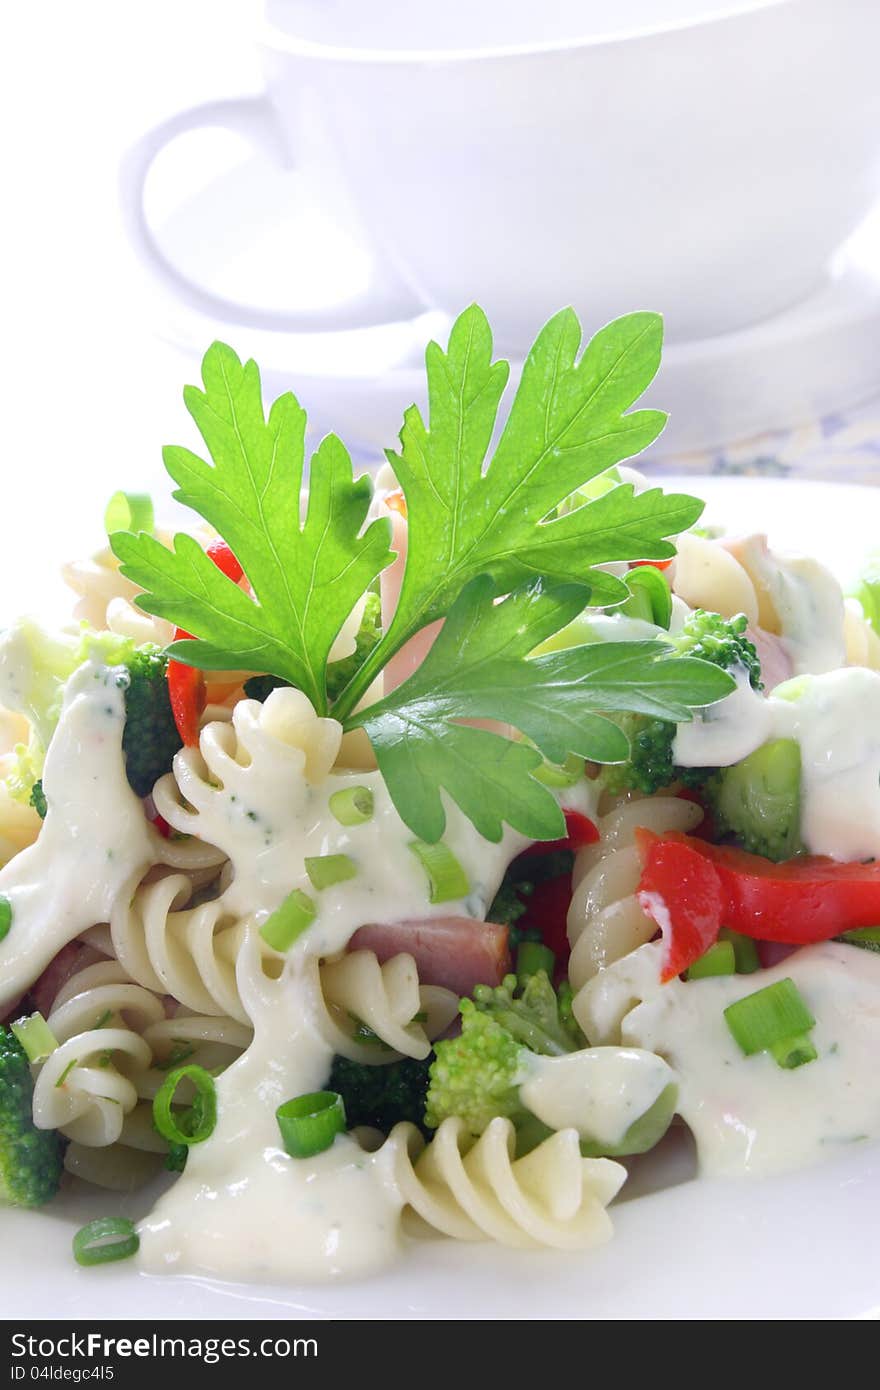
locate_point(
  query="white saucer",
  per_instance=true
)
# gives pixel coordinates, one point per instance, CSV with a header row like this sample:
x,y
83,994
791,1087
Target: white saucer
x,y
257,234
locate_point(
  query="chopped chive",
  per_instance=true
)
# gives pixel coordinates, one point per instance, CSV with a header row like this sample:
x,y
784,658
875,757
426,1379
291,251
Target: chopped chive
x,y
289,921
566,775
744,949
129,511
67,1070
531,957
352,806
310,1123
195,1124
105,1240
446,877
866,937
720,959
181,1052
5,915
35,1036
364,1034
104,1018
774,1019
326,869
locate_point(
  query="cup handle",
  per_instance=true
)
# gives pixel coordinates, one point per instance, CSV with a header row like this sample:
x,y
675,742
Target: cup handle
x,y
387,300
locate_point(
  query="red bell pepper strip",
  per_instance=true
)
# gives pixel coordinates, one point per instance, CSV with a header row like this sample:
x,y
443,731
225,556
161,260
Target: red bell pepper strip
x,y
548,903
679,890
798,902
186,684
547,910
657,564
580,831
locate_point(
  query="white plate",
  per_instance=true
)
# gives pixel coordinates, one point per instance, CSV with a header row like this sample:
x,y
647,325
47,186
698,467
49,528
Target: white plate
x,y
799,1246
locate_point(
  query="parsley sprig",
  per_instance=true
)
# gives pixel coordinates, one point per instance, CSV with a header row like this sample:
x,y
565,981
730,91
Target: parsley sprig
x,y
306,575
491,550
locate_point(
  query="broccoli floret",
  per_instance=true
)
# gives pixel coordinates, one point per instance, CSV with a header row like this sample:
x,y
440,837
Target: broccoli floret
x,y
476,1075
30,1158
381,1096
34,668
758,802
150,738
339,673
651,766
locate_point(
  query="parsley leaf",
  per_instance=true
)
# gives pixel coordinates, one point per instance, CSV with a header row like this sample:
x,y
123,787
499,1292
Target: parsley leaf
x,y
305,576
479,668
568,423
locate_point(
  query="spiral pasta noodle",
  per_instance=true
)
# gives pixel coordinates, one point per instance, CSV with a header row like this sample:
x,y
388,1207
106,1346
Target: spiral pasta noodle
x,y
605,920
476,1190
404,1016
115,1045
186,951
97,582
191,953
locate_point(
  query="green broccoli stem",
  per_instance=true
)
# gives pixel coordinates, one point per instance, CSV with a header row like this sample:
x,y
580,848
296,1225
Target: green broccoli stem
x,y
758,800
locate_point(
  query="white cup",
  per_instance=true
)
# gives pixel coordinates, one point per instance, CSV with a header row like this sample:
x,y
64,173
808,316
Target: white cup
x,y
704,159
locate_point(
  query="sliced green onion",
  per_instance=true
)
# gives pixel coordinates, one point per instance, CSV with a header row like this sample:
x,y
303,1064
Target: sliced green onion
x,y
794,1052
35,1036
649,596
552,775
720,959
5,916
774,1019
866,937
105,1240
195,1124
353,806
310,1123
326,869
744,949
289,921
446,877
531,957
129,511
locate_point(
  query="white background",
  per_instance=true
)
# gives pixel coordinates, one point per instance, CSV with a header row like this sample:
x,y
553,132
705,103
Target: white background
x,y
90,391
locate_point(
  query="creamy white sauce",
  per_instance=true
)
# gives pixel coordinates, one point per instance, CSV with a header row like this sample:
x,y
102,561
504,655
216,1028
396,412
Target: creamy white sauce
x,y
835,718
749,1115
836,721
808,604
600,1091
94,837
725,733
268,819
243,1208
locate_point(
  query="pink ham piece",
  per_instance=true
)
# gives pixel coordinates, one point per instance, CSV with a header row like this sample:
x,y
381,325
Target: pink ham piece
x,y
776,664
73,957
456,952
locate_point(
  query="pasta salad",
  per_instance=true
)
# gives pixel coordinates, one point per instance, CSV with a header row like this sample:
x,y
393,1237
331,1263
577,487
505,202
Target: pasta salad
x,y
394,856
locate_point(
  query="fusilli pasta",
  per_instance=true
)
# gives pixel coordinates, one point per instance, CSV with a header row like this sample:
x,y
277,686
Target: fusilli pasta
x,y
115,1043
387,998
605,920
476,1189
